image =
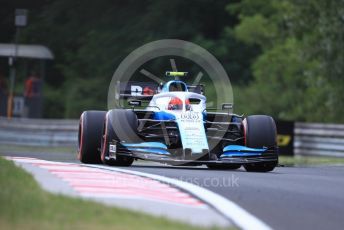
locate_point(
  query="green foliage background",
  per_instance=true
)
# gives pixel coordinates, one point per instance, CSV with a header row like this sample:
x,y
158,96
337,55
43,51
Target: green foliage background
x,y
284,57
299,74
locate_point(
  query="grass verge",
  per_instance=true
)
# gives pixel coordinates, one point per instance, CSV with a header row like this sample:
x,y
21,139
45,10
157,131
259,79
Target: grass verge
x,y
309,160
24,205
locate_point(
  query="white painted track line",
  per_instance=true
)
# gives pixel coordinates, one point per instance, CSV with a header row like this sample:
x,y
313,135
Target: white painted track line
x,y
229,209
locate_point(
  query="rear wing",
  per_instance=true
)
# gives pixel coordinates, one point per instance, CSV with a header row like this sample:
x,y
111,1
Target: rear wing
x,y
146,90
136,90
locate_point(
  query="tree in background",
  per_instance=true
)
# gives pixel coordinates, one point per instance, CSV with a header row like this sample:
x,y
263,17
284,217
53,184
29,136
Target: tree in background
x,y
299,74
90,39
284,57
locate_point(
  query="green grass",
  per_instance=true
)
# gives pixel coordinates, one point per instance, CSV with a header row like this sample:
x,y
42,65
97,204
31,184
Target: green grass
x,y
24,205
310,160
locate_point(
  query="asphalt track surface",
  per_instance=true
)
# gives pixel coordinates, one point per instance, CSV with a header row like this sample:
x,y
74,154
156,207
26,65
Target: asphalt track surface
x,y
287,198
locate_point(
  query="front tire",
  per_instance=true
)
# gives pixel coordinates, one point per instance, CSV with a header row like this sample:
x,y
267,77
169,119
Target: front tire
x,y
260,131
120,125
260,167
89,136
223,167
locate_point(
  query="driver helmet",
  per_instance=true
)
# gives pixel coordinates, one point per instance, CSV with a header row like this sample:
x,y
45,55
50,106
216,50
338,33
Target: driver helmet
x,y
175,104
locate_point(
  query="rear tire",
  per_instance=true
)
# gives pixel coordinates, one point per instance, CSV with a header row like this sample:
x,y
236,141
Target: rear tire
x,y
89,136
260,131
120,125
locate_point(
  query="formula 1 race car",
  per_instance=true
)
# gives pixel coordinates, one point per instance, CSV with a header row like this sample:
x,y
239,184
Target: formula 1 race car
x,y
176,128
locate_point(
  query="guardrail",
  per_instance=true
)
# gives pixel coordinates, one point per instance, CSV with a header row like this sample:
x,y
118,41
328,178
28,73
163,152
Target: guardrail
x,y
309,139
38,132
319,139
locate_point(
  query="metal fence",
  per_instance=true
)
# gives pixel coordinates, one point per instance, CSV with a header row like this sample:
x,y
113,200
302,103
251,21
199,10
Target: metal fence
x,y
310,138
38,132
319,139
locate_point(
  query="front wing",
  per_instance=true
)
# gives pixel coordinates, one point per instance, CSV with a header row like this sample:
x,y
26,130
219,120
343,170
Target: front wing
x,y
158,152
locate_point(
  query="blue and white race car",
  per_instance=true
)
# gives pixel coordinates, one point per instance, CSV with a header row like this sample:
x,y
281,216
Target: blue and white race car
x,y
176,128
